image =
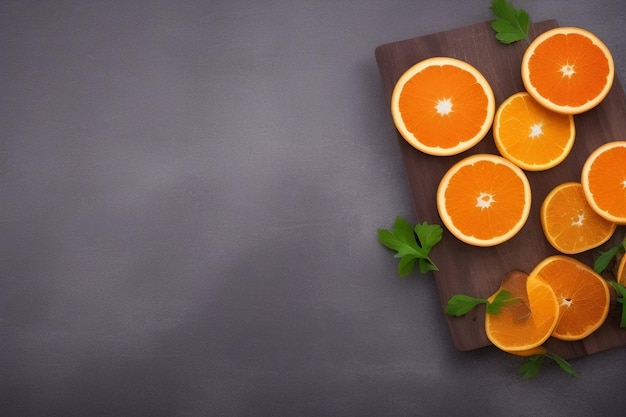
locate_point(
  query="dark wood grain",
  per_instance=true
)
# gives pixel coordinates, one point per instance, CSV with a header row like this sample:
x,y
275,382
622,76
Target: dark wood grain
x,y
478,271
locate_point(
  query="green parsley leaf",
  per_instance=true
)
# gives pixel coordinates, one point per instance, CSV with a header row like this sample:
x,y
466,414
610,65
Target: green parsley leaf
x,y
406,265
605,258
621,298
426,265
565,366
502,298
461,304
511,24
429,235
532,365
412,244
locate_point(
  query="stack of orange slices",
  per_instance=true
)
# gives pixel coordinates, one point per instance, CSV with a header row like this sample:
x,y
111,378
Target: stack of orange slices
x,y
566,300
523,326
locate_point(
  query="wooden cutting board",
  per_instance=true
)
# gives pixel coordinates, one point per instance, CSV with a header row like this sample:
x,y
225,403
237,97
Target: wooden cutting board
x,y
475,271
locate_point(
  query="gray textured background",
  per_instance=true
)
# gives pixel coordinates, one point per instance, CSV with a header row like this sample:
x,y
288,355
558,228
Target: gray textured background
x,y
189,198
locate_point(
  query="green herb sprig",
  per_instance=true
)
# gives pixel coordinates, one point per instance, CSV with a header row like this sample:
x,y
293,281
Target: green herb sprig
x,y
533,365
601,263
461,304
511,24
605,258
621,298
412,244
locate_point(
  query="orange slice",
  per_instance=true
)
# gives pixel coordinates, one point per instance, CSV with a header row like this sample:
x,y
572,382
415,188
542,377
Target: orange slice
x,y
583,295
442,106
604,181
531,136
539,350
568,70
524,336
484,199
569,223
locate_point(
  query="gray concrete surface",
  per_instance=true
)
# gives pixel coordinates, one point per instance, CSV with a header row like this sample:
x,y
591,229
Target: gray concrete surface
x,y
189,198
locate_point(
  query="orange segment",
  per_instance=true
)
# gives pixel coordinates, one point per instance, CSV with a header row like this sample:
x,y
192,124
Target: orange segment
x,y
604,181
569,223
442,106
568,70
524,336
583,295
531,136
484,199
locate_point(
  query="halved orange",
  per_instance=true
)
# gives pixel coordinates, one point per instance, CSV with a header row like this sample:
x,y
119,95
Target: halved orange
x,y
569,223
583,295
531,136
484,199
568,70
604,181
524,336
442,106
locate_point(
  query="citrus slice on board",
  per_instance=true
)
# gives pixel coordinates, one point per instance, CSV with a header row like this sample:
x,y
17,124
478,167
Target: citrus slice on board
x,y
442,106
583,295
524,336
484,199
569,223
531,136
604,181
568,70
